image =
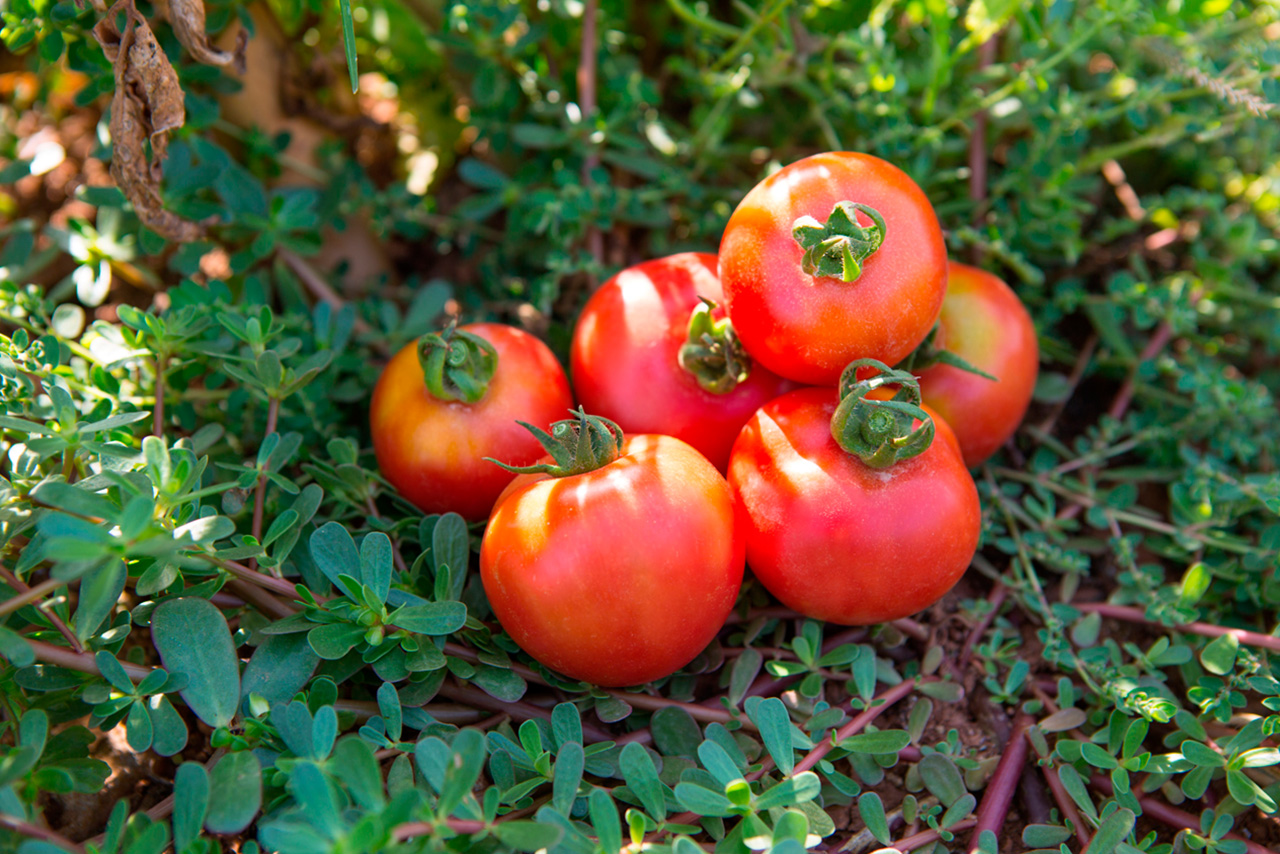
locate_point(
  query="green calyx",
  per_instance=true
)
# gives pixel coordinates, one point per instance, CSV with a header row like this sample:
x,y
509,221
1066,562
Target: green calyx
x,y
456,365
880,432
713,353
577,445
838,247
929,354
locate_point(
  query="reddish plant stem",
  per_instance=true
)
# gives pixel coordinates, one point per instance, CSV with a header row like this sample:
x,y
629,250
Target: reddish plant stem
x,y
924,837
1174,817
1159,339
81,661
42,833
998,594
321,290
1065,804
1136,615
445,712
911,629
519,709
1073,380
21,586
859,723
411,829
260,495
998,796
31,594
276,585
157,415
260,598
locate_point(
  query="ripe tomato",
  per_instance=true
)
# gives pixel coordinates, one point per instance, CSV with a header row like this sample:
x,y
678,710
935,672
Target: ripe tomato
x,y
626,357
618,575
984,323
840,540
432,450
805,313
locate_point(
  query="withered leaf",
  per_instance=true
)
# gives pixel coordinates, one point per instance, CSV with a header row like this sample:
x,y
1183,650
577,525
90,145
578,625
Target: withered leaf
x,y
188,20
148,103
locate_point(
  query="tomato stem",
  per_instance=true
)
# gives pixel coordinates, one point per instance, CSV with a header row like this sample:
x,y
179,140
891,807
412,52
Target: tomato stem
x,y
576,445
713,354
838,247
880,432
456,365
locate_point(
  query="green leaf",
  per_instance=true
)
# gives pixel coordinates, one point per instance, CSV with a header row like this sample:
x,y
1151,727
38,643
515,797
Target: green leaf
x,y
15,648
871,808
877,743
1220,654
528,835
1075,786
743,675
958,811
804,786
703,801
169,730
324,729
334,553
375,563
138,727
717,760
469,753
567,776
641,777
500,683
1202,755
604,818
675,732
1111,832
192,637
332,641
566,725
1245,791
235,792
279,668
433,618
1044,835
113,671
451,547
771,719
941,777
1097,757
354,763
190,804
1259,757
99,592
316,799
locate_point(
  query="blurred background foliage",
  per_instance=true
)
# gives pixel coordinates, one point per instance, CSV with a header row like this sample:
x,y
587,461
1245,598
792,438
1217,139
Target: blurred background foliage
x,y
1117,161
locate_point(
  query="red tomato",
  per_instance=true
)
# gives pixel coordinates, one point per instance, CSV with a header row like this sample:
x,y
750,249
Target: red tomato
x,y
620,575
838,540
625,358
433,450
808,327
984,323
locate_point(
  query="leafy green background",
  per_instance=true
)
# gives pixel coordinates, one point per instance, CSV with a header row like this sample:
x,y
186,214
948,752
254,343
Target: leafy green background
x,y
186,453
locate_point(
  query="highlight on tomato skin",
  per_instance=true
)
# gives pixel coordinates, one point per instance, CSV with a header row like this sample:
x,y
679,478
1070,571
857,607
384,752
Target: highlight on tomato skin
x,y
985,323
809,326
621,575
432,451
625,357
839,540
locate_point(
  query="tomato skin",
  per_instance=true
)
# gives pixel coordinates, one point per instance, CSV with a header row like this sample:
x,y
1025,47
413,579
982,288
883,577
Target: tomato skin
x,y
625,357
984,323
809,328
621,575
432,451
838,540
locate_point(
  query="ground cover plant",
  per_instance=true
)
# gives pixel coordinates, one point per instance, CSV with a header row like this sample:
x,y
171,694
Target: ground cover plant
x,y
223,628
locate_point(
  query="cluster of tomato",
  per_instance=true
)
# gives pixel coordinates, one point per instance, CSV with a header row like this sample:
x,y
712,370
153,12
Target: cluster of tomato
x,y
764,426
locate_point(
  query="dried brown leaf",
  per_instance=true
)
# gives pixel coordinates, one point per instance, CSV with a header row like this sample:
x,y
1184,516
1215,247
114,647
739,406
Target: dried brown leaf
x,y
188,20
148,103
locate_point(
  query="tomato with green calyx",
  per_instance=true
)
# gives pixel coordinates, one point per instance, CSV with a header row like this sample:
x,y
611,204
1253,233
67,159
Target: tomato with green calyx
x,y
652,354
836,257
617,561
985,324
858,505
452,398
